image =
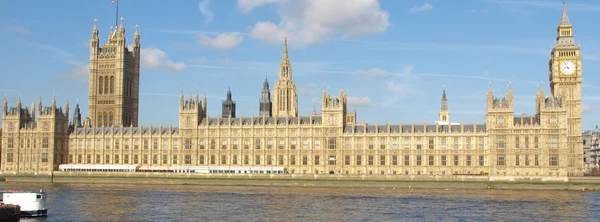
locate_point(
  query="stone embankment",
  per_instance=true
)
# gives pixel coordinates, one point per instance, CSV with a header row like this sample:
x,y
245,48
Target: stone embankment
x,y
295,180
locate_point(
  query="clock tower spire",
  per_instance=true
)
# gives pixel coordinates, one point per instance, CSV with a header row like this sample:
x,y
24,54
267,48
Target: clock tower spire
x,y
565,83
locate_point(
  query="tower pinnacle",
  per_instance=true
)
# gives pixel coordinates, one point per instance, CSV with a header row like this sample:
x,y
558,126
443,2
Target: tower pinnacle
x,y
564,20
285,51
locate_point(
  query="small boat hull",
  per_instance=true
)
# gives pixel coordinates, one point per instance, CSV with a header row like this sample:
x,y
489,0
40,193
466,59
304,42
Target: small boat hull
x,y
35,213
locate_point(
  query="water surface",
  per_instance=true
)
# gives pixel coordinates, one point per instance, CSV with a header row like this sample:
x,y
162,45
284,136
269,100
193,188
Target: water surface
x,y
96,202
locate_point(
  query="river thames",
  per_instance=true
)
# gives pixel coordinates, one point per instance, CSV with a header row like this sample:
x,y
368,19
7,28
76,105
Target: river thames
x,y
108,202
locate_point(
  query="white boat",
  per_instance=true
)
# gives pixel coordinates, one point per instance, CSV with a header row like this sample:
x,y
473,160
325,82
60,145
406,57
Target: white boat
x,y
33,204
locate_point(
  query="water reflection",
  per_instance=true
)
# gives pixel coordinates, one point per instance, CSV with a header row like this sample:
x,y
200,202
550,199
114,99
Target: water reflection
x,y
93,202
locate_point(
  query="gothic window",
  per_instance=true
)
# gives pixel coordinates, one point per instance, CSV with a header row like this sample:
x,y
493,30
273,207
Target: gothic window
x,y
100,118
331,120
112,84
188,122
106,83
110,119
100,85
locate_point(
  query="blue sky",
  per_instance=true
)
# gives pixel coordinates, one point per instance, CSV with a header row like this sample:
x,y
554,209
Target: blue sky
x,y
393,58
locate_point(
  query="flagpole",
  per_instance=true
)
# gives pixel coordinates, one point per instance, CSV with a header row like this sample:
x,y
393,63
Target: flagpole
x,y
117,14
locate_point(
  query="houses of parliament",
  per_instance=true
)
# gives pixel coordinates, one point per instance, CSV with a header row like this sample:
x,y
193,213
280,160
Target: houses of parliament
x,y
39,138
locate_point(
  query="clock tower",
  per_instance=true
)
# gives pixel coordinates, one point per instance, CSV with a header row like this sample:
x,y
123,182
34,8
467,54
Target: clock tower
x,y
565,83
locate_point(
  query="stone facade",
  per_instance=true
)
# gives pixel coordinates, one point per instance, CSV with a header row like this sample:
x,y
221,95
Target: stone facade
x,y
544,144
591,149
114,79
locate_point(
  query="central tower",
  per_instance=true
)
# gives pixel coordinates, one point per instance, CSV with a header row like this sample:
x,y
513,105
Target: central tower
x,y
565,83
285,99
114,79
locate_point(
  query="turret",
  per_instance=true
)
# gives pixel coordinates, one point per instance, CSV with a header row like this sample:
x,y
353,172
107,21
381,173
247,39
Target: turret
x,y
136,42
94,40
5,108
77,116
444,111
228,109
265,100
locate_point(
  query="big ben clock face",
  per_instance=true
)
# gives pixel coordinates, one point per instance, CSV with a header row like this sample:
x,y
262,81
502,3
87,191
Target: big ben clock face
x,y
567,68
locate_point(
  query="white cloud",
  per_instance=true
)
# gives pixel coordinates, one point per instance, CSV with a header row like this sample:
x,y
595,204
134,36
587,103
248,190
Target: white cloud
x,y
222,41
154,58
372,72
17,29
248,5
307,22
78,72
204,7
359,101
422,8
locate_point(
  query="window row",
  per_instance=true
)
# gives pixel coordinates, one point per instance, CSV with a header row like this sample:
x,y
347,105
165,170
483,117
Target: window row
x,y
356,160
28,143
527,160
524,142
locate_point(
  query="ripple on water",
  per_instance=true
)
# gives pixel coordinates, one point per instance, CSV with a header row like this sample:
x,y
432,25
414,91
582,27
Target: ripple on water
x,y
95,202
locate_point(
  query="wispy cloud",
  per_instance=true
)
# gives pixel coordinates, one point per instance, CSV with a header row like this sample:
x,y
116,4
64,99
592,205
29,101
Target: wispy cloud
x,y
17,29
59,53
359,101
450,46
78,72
247,6
223,41
399,89
587,108
204,7
371,73
161,94
422,8
309,89
550,4
194,32
590,86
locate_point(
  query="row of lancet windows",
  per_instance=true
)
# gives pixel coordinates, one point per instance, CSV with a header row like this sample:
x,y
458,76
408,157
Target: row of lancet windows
x,y
565,33
105,118
358,160
570,53
128,86
106,85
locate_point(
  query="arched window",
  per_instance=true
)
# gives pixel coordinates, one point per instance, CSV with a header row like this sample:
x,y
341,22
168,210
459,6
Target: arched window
x,y
112,84
110,119
106,85
99,119
100,85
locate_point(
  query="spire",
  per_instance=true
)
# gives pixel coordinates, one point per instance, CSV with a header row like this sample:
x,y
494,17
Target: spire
x,y
285,69
285,51
564,20
95,29
266,84
5,106
229,93
77,116
444,101
136,35
121,25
